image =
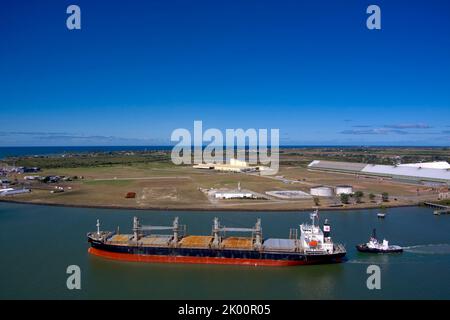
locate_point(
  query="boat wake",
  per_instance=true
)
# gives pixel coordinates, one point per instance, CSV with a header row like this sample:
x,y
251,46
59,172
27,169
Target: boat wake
x,y
356,261
443,248
380,259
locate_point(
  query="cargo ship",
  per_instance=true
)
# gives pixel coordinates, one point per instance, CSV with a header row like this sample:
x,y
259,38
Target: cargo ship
x,y
313,246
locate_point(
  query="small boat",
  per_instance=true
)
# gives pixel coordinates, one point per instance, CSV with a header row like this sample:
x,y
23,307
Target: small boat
x,y
381,215
374,246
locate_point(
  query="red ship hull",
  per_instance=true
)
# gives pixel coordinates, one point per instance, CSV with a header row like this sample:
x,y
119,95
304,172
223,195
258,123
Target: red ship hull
x,y
193,260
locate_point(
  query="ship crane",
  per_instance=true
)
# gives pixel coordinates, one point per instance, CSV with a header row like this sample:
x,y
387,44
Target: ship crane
x,y
138,228
256,231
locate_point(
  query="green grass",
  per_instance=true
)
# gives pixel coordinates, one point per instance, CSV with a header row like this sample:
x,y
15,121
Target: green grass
x,y
121,183
445,202
90,160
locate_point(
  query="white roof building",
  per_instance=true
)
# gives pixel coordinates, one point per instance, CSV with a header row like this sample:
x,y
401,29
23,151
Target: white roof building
x,y
428,165
415,172
233,195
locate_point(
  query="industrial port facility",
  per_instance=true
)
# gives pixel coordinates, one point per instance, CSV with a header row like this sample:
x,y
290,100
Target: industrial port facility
x,y
148,180
424,173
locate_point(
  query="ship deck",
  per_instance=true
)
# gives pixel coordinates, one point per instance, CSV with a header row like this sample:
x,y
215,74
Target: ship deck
x,y
205,242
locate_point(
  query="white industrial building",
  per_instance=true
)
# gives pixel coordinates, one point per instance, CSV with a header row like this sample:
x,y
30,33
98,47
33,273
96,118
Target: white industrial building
x,y
423,173
233,195
322,191
2,190
344,190
11,192
235,165
428,165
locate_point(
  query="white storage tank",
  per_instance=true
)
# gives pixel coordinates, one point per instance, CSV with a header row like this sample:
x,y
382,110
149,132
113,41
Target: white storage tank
x,y
321,191
344,190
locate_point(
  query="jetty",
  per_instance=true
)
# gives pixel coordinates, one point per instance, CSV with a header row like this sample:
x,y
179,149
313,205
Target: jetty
x,y
439,208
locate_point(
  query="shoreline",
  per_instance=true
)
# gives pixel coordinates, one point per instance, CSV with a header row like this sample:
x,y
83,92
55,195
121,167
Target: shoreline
x,y
201,209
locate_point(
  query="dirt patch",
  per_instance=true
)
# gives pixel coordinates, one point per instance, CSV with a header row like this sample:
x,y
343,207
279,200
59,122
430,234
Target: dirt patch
x,y
152,194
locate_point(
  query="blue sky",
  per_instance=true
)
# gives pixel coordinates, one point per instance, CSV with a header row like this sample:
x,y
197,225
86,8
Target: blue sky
x,y
139,69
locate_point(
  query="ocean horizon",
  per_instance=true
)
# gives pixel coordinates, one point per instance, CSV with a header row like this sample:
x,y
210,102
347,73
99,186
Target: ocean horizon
x,y
18,151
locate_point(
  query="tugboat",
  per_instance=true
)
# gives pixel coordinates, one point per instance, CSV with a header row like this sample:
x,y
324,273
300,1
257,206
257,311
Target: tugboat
x,y
374,246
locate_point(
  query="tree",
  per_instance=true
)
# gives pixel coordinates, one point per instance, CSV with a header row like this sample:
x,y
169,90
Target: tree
x,y
316,201
371,197
358,196
385,196
344,198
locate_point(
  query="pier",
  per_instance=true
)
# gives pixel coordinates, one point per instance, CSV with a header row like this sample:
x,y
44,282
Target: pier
x,y
439,208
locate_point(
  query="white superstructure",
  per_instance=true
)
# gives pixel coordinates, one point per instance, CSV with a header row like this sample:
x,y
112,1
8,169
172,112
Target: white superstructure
x,y
313,239
384,246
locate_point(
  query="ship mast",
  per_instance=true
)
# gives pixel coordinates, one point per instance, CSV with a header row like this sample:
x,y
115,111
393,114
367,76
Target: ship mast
x,y
313,216
258,234
98,227
175,230
216,230
138,229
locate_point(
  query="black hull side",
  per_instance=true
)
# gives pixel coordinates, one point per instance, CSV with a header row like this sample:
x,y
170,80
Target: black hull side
x,y
365,249
207,253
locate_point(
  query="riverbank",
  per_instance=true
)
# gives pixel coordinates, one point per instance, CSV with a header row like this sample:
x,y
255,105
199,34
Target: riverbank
x,y
190,209
104,180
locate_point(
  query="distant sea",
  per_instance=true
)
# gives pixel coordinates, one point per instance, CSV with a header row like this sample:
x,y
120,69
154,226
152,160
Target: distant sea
x,y
40,151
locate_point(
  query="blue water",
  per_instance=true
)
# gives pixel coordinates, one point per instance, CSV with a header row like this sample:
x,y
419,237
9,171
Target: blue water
x,y
39,151
39,242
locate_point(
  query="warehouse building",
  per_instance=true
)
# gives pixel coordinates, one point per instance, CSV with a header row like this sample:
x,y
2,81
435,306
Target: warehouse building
x,y
234,195
321,191
234,165
430,173
343,189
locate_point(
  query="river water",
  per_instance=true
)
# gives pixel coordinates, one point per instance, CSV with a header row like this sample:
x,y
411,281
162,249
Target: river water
x,y
39,242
